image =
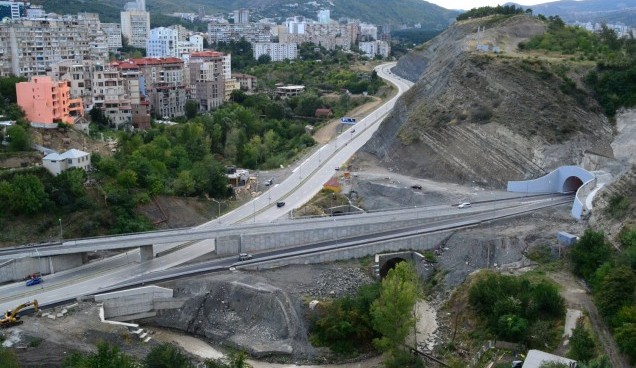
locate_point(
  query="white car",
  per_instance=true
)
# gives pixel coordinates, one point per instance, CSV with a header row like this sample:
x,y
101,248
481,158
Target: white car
x,y
463,205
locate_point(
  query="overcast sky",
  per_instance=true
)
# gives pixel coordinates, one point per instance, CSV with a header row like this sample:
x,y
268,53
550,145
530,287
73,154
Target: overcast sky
x,y
469,4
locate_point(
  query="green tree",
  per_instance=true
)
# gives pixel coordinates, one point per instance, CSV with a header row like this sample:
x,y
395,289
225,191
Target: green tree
x,y
392,312
582,346
127,178
184,184
107,356
167,356
28,195
602,362
19,139
589,252
191,109
616,290
234,360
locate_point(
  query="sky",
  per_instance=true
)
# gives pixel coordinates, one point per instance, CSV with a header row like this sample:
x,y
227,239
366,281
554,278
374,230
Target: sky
x,y
469,4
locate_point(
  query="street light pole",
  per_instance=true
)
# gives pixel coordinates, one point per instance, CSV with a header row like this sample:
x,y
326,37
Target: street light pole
x,y
61,232
219,204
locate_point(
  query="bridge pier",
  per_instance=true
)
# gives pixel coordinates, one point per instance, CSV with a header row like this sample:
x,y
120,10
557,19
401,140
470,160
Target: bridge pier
x,y
146,253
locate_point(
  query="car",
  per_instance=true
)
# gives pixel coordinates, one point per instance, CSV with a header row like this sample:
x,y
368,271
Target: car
x,y
269,182
245,256
353,131
463,205
34,281
416,186
280,204
337,168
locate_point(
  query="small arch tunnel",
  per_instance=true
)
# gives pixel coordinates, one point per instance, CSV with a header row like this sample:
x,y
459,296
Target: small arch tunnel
x,y
572,184
389,265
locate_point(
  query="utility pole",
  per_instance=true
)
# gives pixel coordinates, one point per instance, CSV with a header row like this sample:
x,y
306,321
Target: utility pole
x,y
61,232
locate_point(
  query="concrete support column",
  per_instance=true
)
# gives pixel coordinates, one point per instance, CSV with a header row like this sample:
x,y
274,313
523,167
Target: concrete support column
x,y
145,253
84,257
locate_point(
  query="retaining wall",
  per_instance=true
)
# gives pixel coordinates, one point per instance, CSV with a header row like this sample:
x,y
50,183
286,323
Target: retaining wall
x,y
17,269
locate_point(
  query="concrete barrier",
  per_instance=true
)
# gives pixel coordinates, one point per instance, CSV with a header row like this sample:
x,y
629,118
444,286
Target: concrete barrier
x,y
137,303
18,268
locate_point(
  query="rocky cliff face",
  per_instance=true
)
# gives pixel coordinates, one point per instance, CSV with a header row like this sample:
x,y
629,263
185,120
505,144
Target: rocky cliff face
x,y
481,111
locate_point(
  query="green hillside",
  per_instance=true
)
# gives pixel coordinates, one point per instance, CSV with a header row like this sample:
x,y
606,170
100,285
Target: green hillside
x,y
392,12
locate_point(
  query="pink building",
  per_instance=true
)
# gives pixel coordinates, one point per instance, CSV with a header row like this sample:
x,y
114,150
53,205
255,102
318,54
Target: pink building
x,y
46,102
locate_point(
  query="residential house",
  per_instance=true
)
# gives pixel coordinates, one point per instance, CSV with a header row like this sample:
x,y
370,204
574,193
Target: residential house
x,y
56,163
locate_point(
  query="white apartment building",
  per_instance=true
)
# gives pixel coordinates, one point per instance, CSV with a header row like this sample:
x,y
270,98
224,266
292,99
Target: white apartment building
x,y
373,48
226,32
12,9
113,35
324,16
276,51
241,16
135,26
172,42
28,47
329,36
296,25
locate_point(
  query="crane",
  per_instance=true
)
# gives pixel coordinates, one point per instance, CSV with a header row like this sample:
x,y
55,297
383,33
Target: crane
x,y
11,318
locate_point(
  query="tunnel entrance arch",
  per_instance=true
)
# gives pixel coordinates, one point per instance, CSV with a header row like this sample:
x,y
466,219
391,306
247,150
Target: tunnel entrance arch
x,y
572,184
389,265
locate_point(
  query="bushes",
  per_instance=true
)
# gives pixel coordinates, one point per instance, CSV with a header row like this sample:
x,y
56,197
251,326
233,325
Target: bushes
x,y
512,306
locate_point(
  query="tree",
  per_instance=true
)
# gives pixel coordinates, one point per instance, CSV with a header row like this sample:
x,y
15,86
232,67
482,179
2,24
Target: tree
x,y
167,356
589,252
392,312
235,360
582,346
28,195
191,109
264,59
19,139
107,356
616,290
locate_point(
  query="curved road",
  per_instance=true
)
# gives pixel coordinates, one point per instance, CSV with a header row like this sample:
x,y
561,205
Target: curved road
x,y
306,180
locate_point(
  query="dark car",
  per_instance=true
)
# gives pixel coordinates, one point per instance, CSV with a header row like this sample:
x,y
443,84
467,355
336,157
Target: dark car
x,y
280,204
416,186
34,281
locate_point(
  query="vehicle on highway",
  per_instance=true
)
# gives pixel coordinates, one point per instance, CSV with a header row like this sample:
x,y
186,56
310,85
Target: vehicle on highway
x,y
463,205
280,204
34,281
416,186
245,256
269,182
337,168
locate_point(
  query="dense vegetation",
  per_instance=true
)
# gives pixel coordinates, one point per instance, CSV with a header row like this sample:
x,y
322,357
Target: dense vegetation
x,y
614,78
517,309
379,315
612,277
160,356
485,11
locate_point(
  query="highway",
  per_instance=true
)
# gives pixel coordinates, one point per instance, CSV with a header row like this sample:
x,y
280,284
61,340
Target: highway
x,y
306,180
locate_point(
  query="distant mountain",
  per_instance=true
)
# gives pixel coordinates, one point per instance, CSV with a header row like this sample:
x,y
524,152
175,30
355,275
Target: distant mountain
x,y
394,12
620,11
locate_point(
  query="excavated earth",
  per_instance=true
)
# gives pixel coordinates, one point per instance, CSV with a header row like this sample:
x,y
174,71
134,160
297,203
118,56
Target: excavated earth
x,y
488,116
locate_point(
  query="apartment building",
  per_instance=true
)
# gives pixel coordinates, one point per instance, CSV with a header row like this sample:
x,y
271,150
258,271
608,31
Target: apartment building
x,y
241,16
12,9
226,32
172,42
109,95
113,35
45,101
375,48
329,35
135,27
276,51
207,79
78,75
246,82
162,80
28,47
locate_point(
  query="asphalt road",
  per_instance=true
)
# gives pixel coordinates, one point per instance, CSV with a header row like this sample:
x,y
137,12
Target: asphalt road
x,y
306,180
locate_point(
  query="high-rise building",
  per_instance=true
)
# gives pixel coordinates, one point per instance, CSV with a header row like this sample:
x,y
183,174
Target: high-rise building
x,y
113,35
28,47
225,32
162,80
241,16
135,27
324,16
172,42
46,102
276,51
207,79
12,9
